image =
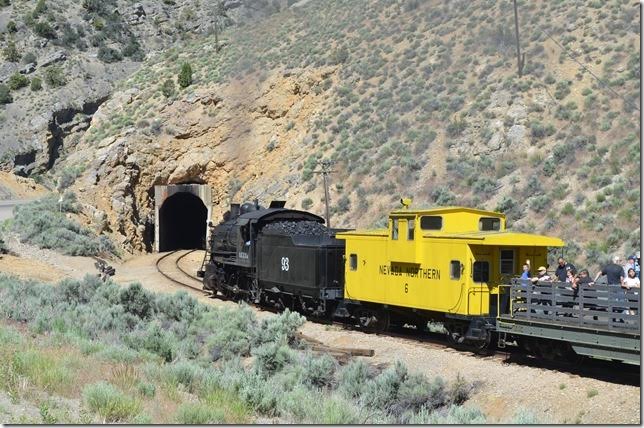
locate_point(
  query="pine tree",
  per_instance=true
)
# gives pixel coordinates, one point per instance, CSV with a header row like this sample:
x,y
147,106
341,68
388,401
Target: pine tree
x,y
185,75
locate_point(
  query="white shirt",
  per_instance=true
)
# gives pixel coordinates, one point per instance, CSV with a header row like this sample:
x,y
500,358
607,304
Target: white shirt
x,y
632,282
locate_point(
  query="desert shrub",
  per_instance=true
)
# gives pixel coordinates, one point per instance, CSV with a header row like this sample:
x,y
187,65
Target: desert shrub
x,y
344,204
443,196
110,403
280,328
146,389
43,29
307,203
319,371
168,88
539,130
36,84
353,378
29,58
456,127
511,208
184,373
562,89
156,340
17,81
5,94
452,415
133,50
44,223
525,417
337,412
10,52
137,301
54,76
185,75
228,332
179,307
271,357
109,55
199,414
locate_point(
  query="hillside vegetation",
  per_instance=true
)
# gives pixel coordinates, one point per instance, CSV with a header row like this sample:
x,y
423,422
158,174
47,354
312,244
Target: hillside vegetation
x,y
415,98
85,351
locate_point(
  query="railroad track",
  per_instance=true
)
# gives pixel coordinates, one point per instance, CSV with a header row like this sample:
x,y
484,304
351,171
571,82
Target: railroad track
x,y
186,279
604,370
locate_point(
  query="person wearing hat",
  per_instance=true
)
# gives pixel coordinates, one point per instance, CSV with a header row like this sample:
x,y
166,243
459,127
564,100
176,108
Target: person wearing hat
x,y
542,275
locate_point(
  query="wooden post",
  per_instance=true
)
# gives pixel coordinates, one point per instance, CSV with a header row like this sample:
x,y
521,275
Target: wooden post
x,y
520,60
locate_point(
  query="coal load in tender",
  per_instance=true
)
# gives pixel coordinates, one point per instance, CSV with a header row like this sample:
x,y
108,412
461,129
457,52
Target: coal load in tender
x,y
311,228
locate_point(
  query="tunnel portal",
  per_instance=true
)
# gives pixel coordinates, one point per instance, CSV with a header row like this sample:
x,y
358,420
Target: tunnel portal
x,y
182,214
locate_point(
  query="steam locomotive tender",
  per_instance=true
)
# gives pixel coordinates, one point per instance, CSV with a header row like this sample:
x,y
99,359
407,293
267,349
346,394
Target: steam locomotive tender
x,y
276,257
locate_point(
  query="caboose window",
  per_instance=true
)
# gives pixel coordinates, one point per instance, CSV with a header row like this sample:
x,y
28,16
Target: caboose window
x,y
410,229
394,229
455,269
481,272
489,223
431,222
353,262
507,262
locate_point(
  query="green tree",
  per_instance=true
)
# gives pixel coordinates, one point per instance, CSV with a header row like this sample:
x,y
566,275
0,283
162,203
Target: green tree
x,y
10,52
5,94
168,88
12,27
185,75
36,84
17,81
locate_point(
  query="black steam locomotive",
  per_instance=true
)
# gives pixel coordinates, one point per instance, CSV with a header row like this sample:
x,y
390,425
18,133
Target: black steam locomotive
x,y
277,257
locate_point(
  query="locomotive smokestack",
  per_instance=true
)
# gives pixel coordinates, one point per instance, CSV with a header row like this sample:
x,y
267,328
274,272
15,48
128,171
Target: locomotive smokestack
x,y
256,203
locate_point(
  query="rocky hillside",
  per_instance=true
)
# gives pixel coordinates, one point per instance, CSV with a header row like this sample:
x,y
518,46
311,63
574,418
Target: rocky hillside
x,y
406,98
63,58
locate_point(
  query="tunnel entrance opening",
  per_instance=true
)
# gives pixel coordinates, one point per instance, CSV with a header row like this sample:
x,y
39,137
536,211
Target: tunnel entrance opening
x,y
182,222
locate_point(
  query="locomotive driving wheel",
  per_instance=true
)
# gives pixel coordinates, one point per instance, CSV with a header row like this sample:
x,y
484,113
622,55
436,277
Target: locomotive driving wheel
x,y
372,320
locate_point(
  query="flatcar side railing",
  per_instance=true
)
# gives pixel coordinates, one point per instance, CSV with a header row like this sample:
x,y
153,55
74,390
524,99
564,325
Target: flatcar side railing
x,y
609,307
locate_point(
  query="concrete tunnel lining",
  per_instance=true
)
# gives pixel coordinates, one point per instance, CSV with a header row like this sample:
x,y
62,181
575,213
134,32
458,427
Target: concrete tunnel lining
x,y
182,213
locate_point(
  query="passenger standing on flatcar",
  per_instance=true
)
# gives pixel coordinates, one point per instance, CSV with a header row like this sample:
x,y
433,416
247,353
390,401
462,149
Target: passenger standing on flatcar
x,y
613,271
584,278
630,264
631,281
526,270
542,275
562,269
614,277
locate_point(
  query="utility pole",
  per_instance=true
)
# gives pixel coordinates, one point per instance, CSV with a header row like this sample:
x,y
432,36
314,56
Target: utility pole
x,y
520,59
325,171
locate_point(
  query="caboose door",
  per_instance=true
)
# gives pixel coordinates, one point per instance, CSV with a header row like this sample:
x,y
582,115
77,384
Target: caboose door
x,y
478,296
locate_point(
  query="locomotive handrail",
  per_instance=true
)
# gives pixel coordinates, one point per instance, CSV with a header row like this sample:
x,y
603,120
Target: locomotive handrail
x,y
599,306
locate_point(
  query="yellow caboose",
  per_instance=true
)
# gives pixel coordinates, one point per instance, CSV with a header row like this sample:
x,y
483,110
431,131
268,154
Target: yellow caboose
x,y
447,260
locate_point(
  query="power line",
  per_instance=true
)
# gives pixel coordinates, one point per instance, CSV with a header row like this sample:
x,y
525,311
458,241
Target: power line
x,y
602,82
